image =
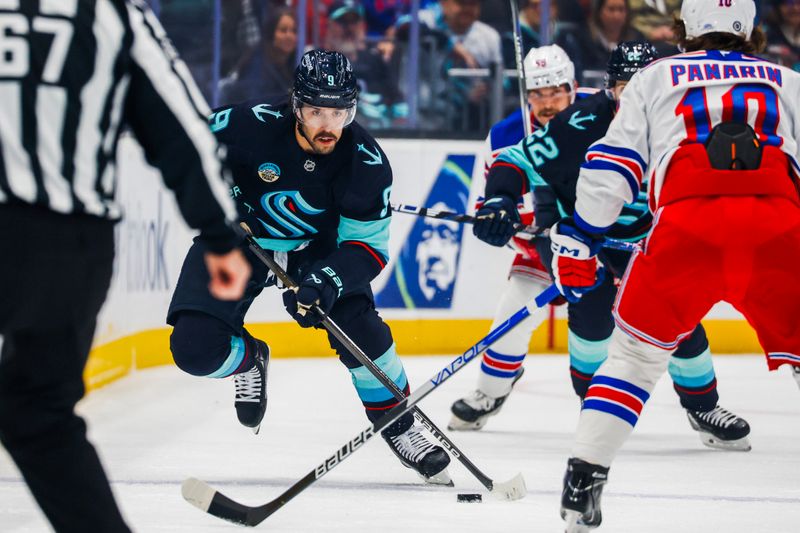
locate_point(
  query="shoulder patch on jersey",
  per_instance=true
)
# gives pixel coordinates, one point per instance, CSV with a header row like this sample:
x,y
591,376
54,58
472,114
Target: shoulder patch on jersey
x,y
269,172
576,120
374,158
262,109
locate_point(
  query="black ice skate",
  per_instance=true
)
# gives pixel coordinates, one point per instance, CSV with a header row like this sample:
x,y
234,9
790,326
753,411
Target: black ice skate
x,y
719,428
580,499
471,412
251,390
796,374
419,454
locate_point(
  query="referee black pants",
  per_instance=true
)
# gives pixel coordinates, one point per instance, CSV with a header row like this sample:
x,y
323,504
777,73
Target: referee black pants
x,y
54,274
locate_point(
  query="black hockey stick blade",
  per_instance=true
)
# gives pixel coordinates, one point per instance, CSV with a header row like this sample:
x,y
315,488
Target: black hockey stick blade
x,y
206,498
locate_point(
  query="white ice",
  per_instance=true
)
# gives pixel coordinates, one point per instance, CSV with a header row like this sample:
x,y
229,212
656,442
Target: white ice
x,y
160,426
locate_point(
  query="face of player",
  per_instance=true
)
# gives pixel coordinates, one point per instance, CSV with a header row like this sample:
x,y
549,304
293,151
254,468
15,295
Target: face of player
x,y
619,86
548,101
322,127
285,39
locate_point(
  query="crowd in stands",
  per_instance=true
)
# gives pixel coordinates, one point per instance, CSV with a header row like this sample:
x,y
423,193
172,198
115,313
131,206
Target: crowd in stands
x,y
259,42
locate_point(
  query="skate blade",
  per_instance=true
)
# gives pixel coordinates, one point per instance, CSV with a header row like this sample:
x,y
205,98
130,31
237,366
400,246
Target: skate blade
x,y
456,424
573,520
737,445
513,489
256,429
442,478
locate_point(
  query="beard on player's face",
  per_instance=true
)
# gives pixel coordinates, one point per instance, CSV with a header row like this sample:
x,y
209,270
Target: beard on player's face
x,y
322,141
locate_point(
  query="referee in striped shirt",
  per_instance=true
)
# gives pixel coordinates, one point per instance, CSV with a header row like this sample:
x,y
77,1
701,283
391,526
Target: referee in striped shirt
x,y
72,74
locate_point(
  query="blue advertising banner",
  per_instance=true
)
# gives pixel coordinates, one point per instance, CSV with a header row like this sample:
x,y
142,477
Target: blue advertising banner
x,y
424,275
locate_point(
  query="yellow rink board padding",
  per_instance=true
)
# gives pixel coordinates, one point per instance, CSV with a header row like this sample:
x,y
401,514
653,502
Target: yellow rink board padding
x,y
148,348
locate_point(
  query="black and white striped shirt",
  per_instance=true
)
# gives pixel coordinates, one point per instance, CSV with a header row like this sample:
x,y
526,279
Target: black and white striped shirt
x,y
72,73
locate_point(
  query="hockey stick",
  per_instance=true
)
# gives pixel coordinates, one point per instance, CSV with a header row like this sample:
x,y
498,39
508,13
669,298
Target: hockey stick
x,y
526,231
207,499
523,101
522,229
514,492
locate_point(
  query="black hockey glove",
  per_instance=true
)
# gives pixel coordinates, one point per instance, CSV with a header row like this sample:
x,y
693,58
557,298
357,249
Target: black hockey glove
x,y
495,220
321,287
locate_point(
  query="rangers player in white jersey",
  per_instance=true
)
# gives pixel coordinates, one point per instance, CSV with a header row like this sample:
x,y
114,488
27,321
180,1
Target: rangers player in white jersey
x,y
715,131
550,82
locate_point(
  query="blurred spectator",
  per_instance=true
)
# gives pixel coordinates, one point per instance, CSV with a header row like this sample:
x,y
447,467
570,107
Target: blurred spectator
x,y
464,41
377,77
653,18
267,70
782,25
530,21
382,15
190,23
608,25
241,31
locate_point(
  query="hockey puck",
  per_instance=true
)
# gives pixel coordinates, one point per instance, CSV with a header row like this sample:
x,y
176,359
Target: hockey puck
x,y
469,498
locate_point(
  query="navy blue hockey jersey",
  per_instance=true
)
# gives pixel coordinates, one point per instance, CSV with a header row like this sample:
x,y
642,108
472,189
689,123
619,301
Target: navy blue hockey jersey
x,y
336,203
548,163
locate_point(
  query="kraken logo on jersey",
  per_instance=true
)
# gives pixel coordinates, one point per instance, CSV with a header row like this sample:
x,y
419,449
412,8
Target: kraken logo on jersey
x,y
269,172
281,207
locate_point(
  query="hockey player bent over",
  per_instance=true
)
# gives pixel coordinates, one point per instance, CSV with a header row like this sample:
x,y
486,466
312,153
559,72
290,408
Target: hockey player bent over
x,y
548,162
550,82
717,129
313,187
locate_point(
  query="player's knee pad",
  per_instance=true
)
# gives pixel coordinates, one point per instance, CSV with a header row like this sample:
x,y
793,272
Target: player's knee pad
x,y
203,345
694,345
519,292
357,317
634,360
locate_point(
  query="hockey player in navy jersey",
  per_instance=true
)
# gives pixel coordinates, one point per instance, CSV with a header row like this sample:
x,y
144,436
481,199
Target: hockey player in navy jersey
x,y
548,163
550,82
313,188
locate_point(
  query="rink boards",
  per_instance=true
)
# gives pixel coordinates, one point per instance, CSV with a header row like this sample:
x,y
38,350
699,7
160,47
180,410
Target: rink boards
x,y
438,292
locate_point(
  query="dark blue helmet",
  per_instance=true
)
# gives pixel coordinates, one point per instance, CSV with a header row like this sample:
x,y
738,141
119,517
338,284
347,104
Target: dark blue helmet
x,y
627,59
324,79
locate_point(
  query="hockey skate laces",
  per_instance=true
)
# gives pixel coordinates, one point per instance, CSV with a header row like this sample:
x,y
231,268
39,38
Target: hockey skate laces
x,y
248,385
719,416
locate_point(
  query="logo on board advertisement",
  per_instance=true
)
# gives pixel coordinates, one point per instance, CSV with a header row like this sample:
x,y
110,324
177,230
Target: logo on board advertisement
x,y
424,275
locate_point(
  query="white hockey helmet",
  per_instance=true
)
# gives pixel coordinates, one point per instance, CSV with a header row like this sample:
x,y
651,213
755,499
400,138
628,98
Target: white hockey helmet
x,y
726,16
548,66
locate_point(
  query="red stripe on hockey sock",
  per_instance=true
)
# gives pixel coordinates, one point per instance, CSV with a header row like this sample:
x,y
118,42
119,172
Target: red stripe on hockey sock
x,y
383,408
578,375
605,393
500,365
696,392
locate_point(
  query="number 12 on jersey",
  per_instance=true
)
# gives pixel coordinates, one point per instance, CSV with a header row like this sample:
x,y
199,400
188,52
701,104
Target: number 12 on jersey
x,y
736,106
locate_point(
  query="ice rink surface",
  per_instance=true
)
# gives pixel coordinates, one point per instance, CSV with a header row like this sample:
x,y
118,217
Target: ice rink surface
x,y
160,426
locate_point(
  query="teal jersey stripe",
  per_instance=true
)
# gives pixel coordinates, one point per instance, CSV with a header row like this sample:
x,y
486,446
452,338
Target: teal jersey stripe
x,y
373,233
233,361
695,372
280,245
516,156
371,390
584,355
